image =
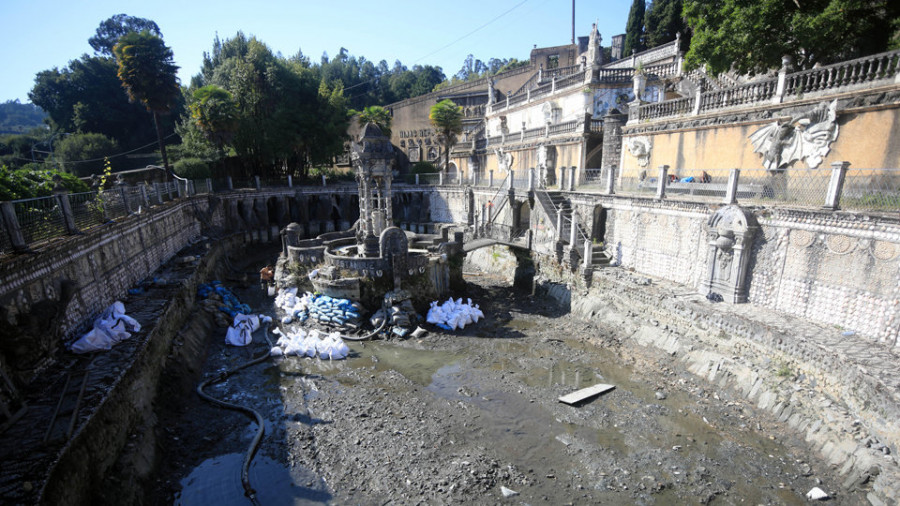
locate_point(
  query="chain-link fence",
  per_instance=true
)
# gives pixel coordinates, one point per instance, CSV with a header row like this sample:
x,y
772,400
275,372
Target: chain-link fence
x,y
40,218
871,189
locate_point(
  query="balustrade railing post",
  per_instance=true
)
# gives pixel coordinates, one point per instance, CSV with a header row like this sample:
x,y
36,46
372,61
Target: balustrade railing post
x,y
696,109
531,179
572,179
662,182
256,182
11,224
441,178
836,185
230,183
290,181
782,79
491,178
731,189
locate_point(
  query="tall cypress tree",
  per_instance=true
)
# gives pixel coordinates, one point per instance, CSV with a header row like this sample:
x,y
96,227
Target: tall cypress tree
x,y
634,28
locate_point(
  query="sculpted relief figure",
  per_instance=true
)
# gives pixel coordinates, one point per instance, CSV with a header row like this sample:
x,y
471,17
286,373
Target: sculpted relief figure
x,y
639,147
807,137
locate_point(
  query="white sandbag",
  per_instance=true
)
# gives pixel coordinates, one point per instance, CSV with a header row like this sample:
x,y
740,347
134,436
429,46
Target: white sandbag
x,y
286,319
110,327
276,352
95,340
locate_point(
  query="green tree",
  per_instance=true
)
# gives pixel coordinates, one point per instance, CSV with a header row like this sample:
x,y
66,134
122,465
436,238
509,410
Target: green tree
x,y
83,154
87,96
752,36
663,21
446,117
634,28
378,115
215,114
109,31
149,75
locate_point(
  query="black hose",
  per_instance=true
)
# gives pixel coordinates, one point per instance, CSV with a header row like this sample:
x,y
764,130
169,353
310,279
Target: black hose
x,y
260,431
374,332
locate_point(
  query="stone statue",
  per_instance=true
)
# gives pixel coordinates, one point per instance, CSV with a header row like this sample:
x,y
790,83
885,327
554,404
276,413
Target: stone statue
x,y
808,138
504,160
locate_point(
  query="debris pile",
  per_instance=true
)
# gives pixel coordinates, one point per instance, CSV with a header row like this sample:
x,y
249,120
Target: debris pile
x,y
310,344
110,328
452,315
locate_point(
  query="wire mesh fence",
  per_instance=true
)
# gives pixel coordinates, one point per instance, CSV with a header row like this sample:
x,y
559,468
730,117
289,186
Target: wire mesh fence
x,y
871,189
40,218
86,210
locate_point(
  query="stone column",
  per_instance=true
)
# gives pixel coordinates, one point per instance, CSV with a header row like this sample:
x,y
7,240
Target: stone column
x,y
388,204
159,190
256,181
209,185
662,181
417,180
441,178
323,180
144,197
491,178
782,79
562,178
290,181
731,189
230,183
559,225
531,179
836,185
588,254
572,172
512,178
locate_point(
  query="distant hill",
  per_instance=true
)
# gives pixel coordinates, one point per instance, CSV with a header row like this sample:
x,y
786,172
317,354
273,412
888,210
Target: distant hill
x,y
18,118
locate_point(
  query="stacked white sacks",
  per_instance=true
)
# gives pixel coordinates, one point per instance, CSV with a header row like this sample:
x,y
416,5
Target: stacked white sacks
x,y
452,315
311,344
110,328
240,333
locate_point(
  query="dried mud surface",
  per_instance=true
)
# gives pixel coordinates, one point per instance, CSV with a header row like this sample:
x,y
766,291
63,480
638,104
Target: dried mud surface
x,y
473,417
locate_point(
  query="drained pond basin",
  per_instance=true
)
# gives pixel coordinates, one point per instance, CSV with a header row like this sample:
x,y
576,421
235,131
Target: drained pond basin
x,y
473,417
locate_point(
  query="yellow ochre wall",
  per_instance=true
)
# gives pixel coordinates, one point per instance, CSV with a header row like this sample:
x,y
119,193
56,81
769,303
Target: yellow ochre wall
x,y
867,139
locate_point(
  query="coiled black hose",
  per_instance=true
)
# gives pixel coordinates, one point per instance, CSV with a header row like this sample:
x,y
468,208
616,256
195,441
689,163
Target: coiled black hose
x,y
260,431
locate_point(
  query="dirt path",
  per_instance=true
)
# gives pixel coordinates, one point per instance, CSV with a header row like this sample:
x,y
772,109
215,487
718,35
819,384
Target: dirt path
x,y
473,416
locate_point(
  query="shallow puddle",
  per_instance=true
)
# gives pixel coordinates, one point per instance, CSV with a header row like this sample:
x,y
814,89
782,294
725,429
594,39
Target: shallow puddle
x,y
217,481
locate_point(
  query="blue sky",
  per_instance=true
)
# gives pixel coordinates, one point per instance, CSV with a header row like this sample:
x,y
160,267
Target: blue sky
x,y
41,34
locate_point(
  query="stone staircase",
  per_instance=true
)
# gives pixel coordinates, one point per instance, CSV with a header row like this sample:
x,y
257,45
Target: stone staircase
x,y
556,203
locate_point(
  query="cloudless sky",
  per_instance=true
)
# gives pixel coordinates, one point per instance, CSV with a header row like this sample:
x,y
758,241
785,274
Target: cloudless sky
x,y
38,35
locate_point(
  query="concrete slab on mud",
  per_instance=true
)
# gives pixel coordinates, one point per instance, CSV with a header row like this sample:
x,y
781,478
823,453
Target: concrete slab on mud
x,y
585,393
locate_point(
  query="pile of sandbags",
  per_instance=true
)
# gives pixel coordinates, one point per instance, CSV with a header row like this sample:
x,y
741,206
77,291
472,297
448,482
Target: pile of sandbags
x,y
228,302
110,328
322,308
311,344
454,314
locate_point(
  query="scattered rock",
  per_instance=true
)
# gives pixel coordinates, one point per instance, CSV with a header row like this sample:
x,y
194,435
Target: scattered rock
x,y
660,395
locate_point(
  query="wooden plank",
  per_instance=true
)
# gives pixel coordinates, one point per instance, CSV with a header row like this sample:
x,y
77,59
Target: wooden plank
x,y
585,393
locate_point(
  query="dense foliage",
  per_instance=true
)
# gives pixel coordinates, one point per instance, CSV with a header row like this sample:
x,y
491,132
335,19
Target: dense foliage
x,y
111,30
751,36
83,154
34,181
663,21
285,119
